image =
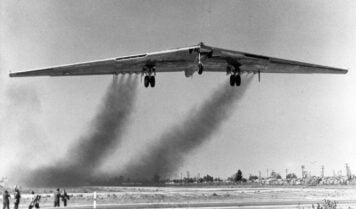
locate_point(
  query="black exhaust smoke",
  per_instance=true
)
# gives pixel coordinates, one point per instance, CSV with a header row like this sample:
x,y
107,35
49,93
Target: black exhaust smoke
x,y
106,130
167,155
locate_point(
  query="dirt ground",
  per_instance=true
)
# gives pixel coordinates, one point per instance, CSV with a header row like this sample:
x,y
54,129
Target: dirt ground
x,y
114,195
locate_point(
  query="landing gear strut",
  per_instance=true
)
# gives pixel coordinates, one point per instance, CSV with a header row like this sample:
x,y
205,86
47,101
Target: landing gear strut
x,y
200,65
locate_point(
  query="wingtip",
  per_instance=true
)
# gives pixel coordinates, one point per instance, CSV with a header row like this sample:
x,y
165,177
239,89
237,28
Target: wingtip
x,y
11,74
343,71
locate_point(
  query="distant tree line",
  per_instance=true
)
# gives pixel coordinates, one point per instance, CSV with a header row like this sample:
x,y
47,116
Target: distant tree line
x,y
156,179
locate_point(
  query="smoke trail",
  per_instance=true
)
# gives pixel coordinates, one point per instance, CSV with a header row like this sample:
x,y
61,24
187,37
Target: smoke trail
x,y
105,132
168,153
108,126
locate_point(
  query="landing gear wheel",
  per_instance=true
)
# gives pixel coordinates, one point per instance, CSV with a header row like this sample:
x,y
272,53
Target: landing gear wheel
x,y
200,68
152,81
147,81
232,80
238,80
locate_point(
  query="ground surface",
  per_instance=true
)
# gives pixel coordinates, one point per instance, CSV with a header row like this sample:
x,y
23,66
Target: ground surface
x,y
201,197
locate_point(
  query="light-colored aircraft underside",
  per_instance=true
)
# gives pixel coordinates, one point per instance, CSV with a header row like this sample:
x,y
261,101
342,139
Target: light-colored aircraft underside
x,y
200,58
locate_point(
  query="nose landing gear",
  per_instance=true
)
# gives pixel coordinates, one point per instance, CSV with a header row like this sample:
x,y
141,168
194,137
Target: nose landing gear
x,y
200,68
200,65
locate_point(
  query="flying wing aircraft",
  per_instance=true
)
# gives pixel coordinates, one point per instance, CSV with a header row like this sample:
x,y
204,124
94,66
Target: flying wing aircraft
x,y
200,58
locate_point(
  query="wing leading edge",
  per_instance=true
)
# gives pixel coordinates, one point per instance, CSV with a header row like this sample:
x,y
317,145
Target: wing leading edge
x,y
189,60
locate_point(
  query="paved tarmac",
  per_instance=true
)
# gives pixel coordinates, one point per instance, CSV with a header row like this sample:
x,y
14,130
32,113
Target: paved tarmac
x,y
217,205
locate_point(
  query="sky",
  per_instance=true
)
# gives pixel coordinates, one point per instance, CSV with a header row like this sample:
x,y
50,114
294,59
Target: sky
x,y
283,122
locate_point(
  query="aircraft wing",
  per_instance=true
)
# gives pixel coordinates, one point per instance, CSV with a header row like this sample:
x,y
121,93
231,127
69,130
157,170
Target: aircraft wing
x,y
247,62
188,60
173,60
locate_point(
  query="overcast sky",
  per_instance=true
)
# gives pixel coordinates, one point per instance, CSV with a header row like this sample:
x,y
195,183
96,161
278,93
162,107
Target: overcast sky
x,y
281,123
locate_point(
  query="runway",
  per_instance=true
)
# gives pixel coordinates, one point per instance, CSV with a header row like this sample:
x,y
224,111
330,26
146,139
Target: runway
x,y
200,197
217,205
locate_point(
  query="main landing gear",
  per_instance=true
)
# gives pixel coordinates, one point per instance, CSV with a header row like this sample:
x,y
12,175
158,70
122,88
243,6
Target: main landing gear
x,y
235,79
149,81
150,73
235,74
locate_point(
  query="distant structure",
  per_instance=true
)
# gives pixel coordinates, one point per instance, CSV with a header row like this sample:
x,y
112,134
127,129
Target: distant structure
x,y
303,172
259,177
286,172
322,171
348,171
